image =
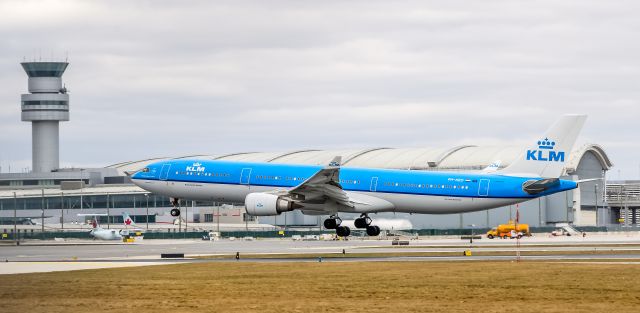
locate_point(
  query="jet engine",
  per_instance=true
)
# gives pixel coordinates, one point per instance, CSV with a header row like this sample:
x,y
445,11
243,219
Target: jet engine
x,y
265,204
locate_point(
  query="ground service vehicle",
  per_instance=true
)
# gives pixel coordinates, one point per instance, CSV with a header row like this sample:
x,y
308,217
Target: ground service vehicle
x,y
506,230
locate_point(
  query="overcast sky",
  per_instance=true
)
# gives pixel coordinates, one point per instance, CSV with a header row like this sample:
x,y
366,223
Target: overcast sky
x,y
170,78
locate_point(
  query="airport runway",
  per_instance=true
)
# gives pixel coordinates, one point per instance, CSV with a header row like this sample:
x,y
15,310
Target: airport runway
x,y
88,249
39,256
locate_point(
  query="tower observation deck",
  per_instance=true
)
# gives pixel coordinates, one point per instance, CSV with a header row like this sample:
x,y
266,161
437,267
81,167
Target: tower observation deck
x,y
46,104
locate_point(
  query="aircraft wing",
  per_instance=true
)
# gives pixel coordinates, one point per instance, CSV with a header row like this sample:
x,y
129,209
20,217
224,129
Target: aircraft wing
x,y
323,185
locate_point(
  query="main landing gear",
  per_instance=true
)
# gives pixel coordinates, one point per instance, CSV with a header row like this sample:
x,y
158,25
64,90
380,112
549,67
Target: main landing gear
x,y
334,222
364,221
176,204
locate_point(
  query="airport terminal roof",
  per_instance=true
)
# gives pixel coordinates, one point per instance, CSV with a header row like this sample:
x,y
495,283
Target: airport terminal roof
x,y
87,191
455,158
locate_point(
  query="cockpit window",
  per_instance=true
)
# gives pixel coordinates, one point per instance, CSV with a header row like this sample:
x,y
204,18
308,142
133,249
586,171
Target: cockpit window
x,y
145,170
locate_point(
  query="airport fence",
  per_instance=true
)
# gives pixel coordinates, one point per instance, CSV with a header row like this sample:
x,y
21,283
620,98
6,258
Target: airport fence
x,y
31,234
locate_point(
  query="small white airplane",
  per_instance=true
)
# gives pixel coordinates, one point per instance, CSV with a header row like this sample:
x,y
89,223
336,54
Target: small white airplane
x,y
109,234
385,224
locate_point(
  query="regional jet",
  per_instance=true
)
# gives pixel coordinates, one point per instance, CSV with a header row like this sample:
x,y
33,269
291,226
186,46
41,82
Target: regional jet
x,y
98,232
271,189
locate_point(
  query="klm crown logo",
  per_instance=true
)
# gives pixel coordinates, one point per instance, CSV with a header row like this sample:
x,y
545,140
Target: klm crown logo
x,y
546,144
546,152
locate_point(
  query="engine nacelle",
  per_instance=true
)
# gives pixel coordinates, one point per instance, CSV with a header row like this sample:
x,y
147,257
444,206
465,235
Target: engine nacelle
x,y
265,204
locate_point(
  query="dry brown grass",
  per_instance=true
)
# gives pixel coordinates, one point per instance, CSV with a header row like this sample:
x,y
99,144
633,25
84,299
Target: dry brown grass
x,y
330,287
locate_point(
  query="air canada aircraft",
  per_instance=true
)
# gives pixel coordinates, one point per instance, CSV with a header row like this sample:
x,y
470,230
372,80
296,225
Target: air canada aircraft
x,y
271,189
98,232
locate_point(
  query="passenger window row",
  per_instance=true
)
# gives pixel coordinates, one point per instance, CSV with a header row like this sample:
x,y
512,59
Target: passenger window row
x,y
426,186
203,174
279,177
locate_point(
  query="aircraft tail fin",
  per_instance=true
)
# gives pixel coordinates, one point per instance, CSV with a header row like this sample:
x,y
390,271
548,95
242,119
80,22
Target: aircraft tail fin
x,y
127,220
547,156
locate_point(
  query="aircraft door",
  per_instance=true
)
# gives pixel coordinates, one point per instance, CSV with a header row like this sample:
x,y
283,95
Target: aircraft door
x,y
374,184
164,172
483,188
245,176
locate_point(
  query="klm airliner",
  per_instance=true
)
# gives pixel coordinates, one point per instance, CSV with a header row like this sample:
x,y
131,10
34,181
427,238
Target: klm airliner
x,y
271,189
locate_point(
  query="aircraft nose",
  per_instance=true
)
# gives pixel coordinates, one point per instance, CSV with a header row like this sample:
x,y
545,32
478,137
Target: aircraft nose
x,y
135,180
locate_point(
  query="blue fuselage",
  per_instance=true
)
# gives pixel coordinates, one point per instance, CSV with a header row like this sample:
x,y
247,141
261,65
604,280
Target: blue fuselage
x,y
175,178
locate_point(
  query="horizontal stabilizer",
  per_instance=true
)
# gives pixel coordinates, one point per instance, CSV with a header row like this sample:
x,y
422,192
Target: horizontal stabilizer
x,y
587,180
533,187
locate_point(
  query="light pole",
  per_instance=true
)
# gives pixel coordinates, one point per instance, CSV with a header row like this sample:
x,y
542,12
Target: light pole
x,y
217,217
15,218
62,210
623,203
595,191
179,218
146,195
108,213
81,187
42,211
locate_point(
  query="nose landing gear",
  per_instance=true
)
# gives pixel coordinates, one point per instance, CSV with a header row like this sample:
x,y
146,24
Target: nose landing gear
x,y
176,205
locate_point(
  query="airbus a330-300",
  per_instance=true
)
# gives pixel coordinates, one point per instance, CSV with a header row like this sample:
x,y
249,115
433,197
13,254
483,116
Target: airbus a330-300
x,y
271,189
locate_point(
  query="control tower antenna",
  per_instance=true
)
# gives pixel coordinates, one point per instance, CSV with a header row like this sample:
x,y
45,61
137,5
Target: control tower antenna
x,y
45,106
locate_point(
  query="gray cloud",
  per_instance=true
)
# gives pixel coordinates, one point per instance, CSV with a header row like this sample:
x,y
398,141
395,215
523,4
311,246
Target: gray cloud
x,y
156,78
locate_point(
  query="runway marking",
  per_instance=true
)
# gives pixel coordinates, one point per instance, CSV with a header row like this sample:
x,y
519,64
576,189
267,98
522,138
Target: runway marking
x,y
41,267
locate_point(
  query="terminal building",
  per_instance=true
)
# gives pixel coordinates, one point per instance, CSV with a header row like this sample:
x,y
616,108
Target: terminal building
x,y
56,195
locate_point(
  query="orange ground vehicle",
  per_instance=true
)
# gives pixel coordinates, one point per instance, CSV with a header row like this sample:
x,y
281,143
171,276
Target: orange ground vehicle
x,y
509,230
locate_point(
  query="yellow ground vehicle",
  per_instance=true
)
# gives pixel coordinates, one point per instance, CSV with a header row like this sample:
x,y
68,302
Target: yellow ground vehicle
x,y
509,230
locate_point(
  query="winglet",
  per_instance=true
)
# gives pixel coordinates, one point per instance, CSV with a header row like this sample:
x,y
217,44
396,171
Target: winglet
x,y
336,162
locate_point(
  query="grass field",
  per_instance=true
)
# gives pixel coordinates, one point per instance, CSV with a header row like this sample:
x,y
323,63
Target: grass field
x,y
330,287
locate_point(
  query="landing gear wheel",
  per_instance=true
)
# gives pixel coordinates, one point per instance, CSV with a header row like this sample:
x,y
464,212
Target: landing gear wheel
x,y
362,222
343,231
373,230
175,212
332,223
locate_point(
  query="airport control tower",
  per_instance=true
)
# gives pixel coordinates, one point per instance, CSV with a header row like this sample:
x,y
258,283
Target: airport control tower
x,y
46,104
